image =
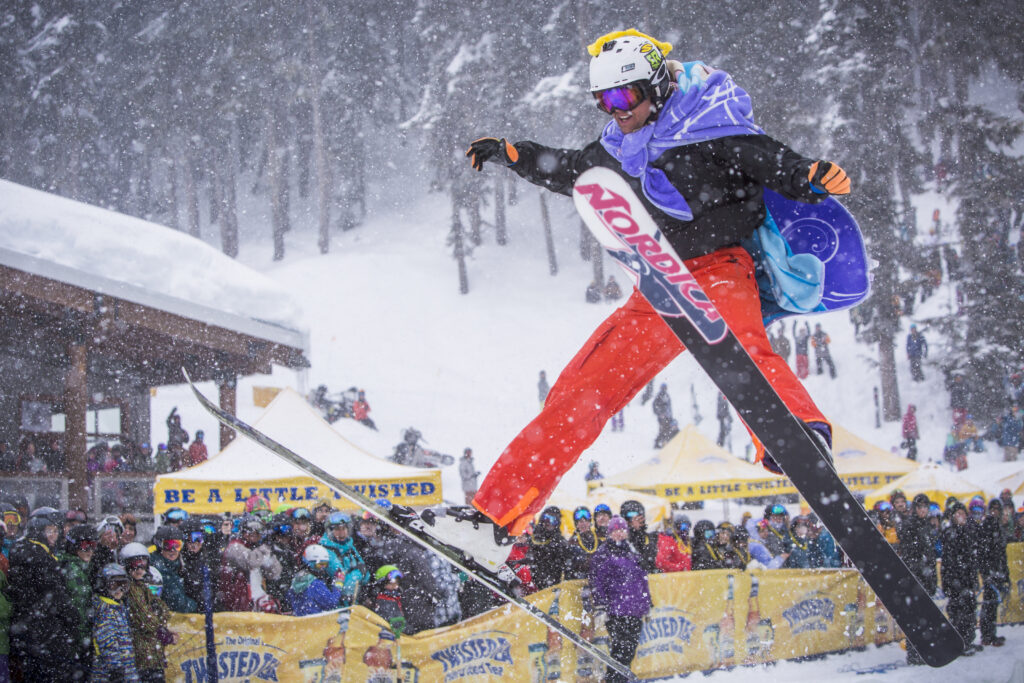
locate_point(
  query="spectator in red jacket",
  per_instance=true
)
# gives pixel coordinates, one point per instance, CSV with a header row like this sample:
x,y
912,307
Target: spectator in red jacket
x,y
361,411
910,432
674,550
197,451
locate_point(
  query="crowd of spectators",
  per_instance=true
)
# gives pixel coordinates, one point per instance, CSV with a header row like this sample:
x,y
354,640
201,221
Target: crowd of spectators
x,y
80,597
44,454
967,542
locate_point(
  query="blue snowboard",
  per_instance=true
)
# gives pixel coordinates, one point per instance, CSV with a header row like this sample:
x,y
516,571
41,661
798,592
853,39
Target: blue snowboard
x,y
828,231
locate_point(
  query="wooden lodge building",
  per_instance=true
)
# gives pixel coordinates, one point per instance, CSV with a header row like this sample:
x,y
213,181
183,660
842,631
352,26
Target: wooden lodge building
x,y
98,308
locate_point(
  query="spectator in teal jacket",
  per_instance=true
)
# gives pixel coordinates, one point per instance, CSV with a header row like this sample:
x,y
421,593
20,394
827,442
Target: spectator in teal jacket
x,y
167,560
346,564
823,551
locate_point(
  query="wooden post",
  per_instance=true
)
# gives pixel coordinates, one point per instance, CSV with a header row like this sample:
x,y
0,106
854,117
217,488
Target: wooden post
x,y
76,401
227,389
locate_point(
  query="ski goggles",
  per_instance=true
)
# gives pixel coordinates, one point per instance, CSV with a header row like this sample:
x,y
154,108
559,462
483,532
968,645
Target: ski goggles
x,y
155,589
633,513
602,507
883,506
777,510
683,527
623,98
338,519
196,537
12,518
299,514
394,575
176,515
581,514
172,544
137,563
86,545
551,519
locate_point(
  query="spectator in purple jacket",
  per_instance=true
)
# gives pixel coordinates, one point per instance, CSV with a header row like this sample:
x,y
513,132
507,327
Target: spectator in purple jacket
x,y
619,585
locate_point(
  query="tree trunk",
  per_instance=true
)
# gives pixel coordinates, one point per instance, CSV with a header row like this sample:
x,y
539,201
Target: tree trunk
x,y
890,385
549,238
274,179
500,223
323,180
597,258
172,171
475,222
459,246
229,222
586,249
191,194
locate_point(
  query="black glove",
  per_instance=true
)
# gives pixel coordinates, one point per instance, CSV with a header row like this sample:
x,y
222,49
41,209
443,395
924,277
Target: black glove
x,y
487,149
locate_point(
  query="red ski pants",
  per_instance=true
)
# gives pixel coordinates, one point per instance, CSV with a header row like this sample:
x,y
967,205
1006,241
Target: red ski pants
x,y
625,353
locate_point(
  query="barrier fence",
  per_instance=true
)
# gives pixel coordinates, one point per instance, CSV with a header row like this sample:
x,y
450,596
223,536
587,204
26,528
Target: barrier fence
x,y
700,621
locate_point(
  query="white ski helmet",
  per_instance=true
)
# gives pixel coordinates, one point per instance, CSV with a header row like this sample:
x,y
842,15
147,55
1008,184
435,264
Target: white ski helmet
x,y
131,550
625,57
316,554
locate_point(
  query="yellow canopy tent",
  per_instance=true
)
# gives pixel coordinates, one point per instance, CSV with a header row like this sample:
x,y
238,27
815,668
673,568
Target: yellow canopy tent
x,y
931,479
691,467
864,466
222,483
1014,482
656,508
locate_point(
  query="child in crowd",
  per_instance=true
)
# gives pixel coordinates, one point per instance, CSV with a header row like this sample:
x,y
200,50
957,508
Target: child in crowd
x,y
114,656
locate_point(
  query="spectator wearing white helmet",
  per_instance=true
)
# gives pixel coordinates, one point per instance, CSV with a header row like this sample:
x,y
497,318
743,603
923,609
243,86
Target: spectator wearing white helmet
x,y
312,590
147,614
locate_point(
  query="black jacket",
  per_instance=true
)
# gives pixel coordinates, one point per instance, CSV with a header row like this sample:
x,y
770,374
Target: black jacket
x,y
548,559
43,619
992,552
959,559
713,556
647,545
722,180
917,548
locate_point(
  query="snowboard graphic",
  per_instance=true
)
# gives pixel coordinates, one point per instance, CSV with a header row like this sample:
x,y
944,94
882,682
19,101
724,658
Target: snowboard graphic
x,y
828,231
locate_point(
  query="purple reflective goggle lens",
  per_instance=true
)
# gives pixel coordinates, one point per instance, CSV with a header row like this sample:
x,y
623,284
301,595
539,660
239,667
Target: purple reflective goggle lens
x,y
623,98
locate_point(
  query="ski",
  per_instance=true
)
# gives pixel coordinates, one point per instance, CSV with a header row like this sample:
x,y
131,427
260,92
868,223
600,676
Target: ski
x,y
380,510
623,226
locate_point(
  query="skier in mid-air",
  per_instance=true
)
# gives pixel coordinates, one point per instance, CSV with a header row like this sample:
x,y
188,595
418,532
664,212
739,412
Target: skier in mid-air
x,y
683,136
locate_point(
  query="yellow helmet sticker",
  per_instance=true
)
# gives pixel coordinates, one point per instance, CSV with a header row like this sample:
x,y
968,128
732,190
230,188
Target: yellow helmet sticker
x,y
594,49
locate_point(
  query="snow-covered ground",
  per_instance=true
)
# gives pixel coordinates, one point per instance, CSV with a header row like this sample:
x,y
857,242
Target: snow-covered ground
x,y
887,663
384,314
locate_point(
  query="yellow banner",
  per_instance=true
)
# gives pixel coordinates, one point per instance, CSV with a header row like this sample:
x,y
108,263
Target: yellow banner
x,y
216,497
751,488
701,621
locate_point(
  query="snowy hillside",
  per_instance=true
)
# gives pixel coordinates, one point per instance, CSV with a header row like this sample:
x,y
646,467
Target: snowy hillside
x,y
384,314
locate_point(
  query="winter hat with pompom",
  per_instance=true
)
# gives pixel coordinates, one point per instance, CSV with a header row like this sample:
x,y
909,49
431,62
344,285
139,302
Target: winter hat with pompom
x,y
617,522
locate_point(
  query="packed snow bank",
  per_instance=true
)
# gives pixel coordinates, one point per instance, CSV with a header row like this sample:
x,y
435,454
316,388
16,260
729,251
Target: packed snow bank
x,y
133,259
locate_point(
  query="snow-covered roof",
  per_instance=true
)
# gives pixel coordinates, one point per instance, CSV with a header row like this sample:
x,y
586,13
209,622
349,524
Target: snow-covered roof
x,y
142,262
